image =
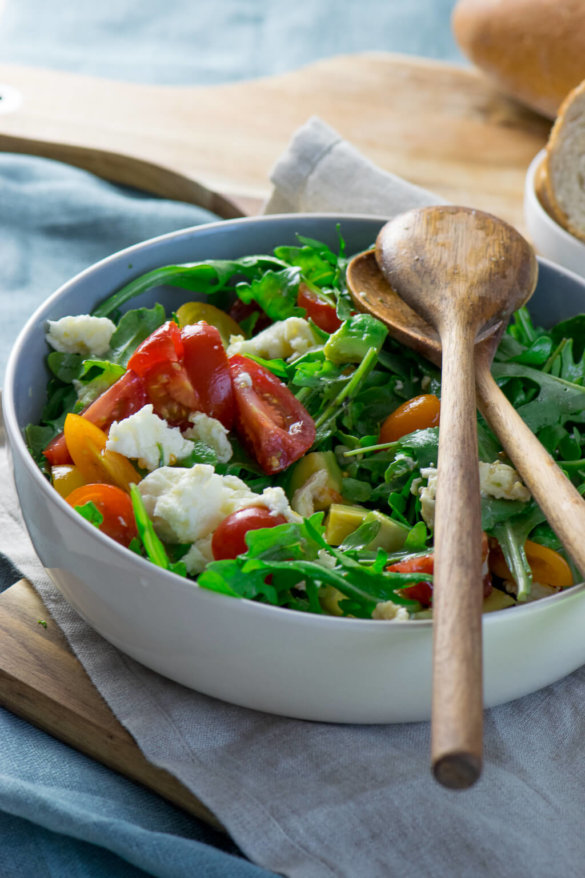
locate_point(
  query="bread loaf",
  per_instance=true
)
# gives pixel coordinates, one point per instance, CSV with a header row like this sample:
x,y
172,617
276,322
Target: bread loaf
x,y
560,179
534,50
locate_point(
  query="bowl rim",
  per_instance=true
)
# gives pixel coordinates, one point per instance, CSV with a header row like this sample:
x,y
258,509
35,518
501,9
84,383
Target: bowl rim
x,y
17,444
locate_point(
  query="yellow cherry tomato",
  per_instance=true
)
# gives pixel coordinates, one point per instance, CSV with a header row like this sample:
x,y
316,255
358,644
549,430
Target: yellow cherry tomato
x,y
195,312
417,413
547,566
65,478
86,444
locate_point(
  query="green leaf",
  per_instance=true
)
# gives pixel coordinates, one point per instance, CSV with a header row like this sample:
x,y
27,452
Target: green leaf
x,y
275,292
133,328
91,513
206,277
65,367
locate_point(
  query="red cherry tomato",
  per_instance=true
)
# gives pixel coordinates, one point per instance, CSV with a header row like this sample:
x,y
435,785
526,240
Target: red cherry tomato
x,y
115,506
423,591
164,345
229,541
159,362
273,425
420,591
318,310
206,364
125,397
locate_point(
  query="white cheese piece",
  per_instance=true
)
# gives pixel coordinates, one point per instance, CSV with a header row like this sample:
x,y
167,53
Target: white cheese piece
x,y
390,611
198,556
82,334
312,491
212,432
500,480
186,505
148,439
496,479
285,339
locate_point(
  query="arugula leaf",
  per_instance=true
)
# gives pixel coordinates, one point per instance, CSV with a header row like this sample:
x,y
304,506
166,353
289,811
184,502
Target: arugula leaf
x,y
207,277
133,328
91,513
275,292
65,367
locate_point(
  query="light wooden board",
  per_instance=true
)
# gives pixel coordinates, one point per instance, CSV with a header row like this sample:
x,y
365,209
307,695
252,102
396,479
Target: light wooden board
x,y
442,127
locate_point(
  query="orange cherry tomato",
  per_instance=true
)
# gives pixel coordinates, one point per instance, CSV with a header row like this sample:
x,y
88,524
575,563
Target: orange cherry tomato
x,y
86,444
417,413
548,567
114,505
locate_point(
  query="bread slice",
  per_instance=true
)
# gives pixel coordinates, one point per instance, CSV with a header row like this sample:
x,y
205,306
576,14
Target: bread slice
x,y
560,180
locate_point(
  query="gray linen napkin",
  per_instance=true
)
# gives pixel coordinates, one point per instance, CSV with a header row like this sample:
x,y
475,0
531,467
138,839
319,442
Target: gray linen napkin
x,y
310,800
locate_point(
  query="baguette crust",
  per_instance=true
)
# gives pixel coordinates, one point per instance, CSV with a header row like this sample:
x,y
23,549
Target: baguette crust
x,y
534,50
560,180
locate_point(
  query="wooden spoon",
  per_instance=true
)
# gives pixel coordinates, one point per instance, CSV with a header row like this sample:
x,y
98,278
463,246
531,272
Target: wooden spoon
x,y
463,272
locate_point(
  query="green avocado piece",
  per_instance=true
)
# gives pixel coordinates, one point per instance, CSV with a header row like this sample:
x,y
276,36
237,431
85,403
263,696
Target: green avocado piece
x,y
343,520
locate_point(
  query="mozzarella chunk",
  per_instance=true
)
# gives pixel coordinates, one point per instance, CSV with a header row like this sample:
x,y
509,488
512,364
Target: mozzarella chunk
x,y
148,439
198,556
285,339
186,505
212,432
500,480
83,334
389,610
496,479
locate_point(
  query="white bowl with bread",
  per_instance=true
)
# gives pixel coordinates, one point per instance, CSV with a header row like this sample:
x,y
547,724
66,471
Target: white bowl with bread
x,y
554,197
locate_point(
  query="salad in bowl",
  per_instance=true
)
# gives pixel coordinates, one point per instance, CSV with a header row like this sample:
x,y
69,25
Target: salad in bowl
x,y
229,474
271,443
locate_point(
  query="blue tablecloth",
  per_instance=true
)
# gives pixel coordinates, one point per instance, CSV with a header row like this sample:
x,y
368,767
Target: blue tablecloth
x,y
62,814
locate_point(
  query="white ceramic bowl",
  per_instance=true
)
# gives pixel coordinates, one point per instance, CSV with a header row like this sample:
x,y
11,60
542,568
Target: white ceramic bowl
x,y
549,238
271,659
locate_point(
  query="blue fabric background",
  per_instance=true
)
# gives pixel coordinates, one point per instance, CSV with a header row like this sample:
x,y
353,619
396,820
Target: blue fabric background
x,y
63,814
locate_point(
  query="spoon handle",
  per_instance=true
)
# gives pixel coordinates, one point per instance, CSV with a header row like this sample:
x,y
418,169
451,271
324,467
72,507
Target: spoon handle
x,y
556,495
457,709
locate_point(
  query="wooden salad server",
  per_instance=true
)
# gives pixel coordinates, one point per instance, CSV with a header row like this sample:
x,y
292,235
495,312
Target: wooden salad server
x,y
463,272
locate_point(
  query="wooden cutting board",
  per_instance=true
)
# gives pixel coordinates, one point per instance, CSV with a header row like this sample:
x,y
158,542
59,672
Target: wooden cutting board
x,y
442,127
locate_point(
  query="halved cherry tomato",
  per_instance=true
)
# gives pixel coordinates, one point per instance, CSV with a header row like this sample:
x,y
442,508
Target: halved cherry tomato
x,y
87,446
158,360
229,541
164,345
195,312
125,397
423,591
548,567
114,505
321,312
273,425
420,591
414,414
207,366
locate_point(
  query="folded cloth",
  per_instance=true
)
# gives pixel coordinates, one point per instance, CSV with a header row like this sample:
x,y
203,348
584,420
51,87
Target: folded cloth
x,y
310,800
321,172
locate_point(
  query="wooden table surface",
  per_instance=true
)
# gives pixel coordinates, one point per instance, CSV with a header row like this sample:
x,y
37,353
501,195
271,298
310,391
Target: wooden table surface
x,y
442,127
